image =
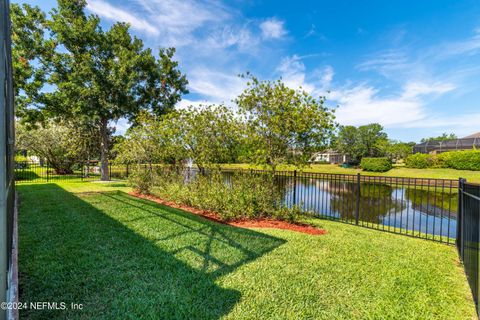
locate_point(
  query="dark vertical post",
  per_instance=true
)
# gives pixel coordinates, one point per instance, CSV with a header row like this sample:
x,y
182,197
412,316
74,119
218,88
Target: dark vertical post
x,y
294,187
109,171
460,217
127,171
47,171
357,208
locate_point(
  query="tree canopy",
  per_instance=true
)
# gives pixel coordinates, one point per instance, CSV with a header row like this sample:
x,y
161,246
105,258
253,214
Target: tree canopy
x,y
62,145
97,76
362,141
283,125
208,135
443,136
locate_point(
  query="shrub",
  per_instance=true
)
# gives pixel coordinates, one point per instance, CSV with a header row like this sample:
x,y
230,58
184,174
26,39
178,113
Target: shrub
x,y
419,161
461,160
442,160
236,196
376,164
142,181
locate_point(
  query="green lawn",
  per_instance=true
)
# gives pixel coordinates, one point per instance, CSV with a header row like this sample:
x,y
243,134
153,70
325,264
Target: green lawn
x,y
397,171
122,257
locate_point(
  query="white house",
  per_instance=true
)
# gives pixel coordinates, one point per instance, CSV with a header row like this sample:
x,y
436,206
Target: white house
x,y
330,156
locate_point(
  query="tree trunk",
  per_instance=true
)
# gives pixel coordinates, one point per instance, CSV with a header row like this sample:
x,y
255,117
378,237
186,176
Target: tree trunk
x,y
104,149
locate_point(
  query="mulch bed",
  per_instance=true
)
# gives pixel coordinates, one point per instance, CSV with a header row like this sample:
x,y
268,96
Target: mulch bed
x,y
243,223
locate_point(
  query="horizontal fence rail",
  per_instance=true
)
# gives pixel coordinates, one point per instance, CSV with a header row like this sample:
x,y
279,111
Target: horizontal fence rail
x,y
468,234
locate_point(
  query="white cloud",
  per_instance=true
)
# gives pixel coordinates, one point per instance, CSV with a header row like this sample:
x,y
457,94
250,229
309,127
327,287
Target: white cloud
x,y
294,75
394,64
108,11
201,25
462,124
273,29
215,86
468,46
185,103
175,21
416,88
363,104
327,77
229,36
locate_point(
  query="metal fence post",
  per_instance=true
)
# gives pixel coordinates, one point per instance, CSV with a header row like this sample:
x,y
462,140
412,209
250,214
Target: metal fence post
x,y
47,171
127,171
109,171
294,187
460,218
357,208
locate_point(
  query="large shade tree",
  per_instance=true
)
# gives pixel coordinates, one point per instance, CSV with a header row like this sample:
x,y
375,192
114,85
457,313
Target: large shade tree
x,y
62,145
100,76
363,141
283,125
31,51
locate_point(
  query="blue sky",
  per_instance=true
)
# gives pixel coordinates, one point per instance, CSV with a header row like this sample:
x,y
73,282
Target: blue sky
x,y
413,66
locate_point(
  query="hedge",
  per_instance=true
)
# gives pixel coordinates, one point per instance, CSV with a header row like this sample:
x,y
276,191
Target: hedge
x,y
376,164
460,160
420,161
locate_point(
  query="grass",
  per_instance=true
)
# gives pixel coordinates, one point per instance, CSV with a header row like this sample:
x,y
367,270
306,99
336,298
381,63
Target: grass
x,y
397,171
122,257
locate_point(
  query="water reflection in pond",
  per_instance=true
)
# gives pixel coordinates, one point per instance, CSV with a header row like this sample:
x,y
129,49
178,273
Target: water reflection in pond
x,y
424,210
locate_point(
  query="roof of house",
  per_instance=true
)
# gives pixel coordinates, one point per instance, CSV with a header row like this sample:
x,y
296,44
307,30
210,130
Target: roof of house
x,y
475,135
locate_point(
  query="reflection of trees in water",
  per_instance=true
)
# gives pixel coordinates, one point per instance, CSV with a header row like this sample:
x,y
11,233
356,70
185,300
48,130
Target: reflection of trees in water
x,y
376,201
433,202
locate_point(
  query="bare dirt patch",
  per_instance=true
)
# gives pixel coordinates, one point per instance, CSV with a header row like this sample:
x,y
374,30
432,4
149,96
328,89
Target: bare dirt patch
x,y
243,223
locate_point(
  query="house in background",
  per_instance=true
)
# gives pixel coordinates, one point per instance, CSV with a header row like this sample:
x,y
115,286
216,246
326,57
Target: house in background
x,y
438,146
329,156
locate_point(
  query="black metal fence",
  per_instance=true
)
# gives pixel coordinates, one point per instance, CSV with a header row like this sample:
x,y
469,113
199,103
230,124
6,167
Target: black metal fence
x,y
468,234
36,172
424,208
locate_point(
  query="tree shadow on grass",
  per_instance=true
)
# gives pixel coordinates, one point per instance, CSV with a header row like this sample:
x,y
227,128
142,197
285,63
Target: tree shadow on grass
x,y
123,257
26,175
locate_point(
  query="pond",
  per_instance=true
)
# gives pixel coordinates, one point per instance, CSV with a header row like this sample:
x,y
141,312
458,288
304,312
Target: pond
x,y
423,210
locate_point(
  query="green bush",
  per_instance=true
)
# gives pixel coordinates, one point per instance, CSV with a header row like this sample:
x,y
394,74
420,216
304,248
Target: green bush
x,y
376,164
420,161
142,181
442,160
20,158
239,196
461,160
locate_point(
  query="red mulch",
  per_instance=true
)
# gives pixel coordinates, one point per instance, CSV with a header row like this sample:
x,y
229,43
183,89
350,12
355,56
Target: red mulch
x,y
244,223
